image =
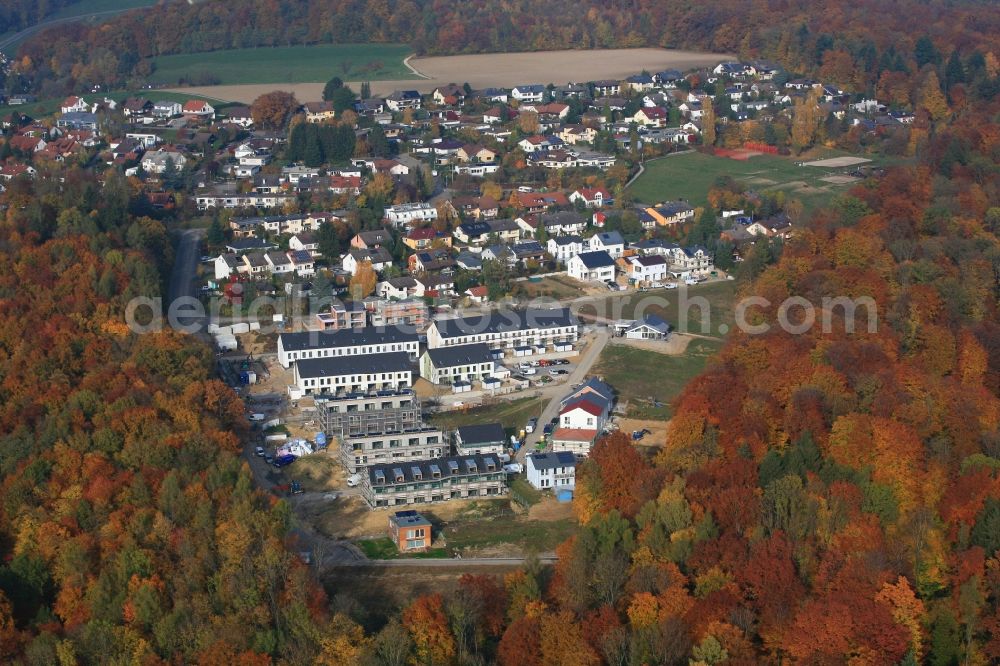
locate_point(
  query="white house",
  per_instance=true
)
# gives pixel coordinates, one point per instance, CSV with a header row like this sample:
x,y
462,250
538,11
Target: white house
x,y
166,109
293,347
591,266
551,471
157,161
507,329
73,104
596,197
226,265
609,241
528,93
409,213
447,365
563,247
648,268
354,374
650,327
379,257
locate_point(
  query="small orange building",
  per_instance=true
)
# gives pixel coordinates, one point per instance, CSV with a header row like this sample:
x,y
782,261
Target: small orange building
x,y
410,531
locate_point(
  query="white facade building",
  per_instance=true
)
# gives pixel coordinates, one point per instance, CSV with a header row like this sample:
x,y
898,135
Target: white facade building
x,y
294,347
551,471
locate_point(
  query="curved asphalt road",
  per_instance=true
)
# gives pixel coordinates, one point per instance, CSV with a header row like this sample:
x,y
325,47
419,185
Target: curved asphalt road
x,y
38,27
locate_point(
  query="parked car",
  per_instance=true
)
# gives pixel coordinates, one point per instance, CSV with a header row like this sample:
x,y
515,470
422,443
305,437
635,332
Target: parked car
x,y
260,451
513,468
529,371
690,281
296,488
268,458
670,285
559,371
353,480
560,361
530,427
547,430
639,434
284,461
544,362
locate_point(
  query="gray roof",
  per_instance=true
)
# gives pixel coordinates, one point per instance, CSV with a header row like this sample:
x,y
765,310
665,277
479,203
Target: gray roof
x,y
371,335
409,519
449,357
596,259
567,239
542,461
447,466
350,365
485,433
249,244
652,321
610,238
592,386
505,321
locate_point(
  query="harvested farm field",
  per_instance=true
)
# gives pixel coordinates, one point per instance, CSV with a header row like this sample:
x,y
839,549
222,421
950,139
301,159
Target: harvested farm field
x,y
493,70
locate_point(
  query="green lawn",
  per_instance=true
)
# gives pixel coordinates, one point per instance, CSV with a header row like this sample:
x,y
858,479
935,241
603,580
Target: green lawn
x,y
690,176
667,304
513,414
286,64
638,375
385,549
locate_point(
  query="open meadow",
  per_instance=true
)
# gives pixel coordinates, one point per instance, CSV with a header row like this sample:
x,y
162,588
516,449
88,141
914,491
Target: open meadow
x,y
691,175
479,71
285,64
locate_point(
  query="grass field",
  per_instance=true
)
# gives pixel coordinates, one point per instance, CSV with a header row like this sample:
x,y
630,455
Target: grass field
x,y
638,375
691,175
385,549
286,64
669,303
513,414
551,286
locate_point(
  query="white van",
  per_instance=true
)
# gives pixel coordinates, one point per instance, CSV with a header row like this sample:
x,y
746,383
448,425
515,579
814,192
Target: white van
x,y
353,480
256,417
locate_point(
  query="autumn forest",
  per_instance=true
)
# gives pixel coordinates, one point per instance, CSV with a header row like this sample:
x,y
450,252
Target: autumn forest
x,y
823,498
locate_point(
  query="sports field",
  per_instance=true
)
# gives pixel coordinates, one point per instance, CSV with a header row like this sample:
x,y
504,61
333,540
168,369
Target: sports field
x,y
691,175
285,64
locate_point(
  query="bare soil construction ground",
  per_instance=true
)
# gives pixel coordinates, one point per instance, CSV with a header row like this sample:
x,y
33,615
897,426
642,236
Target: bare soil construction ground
x,y
495,69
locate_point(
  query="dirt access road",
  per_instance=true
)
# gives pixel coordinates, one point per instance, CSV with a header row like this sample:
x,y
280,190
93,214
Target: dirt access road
x,y
501,70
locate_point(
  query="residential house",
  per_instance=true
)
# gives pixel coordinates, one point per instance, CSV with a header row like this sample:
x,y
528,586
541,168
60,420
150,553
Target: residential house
x,y
77,120
425,237
379,258
471,152
403,99
408,214
369,240
435,480
198,109
575,134
431,259
136,106
551,471
353,374
397,288
339,315
592,197
480,439
507,329
305,241
319,112
607,88
159,161
239,116
227,265
565,246
73,104
778,226
278,262
434,285
450,94
411,532
609,241
640,82
528,93
536,202
464,363
650,327
539,143
483,207
562,222
655,116
477,233
591,266
371,341
646,269
671,213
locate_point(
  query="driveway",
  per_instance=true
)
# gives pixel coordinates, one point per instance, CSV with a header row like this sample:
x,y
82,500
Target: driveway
x,y
555,394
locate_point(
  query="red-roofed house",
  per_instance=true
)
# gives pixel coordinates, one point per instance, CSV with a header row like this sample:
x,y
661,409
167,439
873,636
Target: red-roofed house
x,y
655,116
425,237
26,144
477,294
574,440
582,414
536,202
345,185
198,108
74,104
592,197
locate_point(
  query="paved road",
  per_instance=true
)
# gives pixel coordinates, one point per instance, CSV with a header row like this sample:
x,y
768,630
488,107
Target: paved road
x,y
38,27
556,393
448,563
182,276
